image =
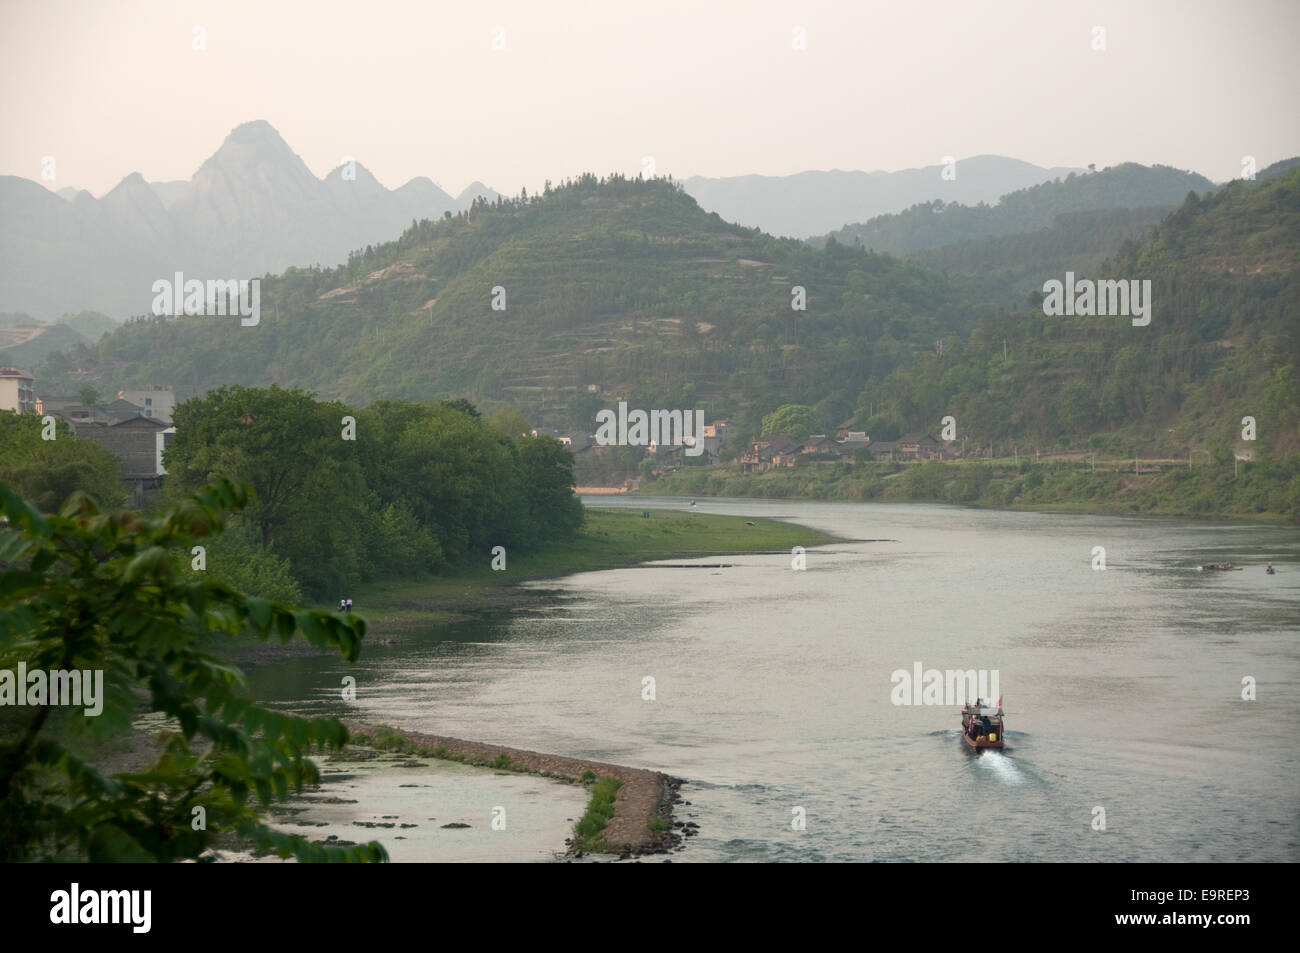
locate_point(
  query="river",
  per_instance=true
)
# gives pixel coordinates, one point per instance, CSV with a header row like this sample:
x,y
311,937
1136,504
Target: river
x,y
772,687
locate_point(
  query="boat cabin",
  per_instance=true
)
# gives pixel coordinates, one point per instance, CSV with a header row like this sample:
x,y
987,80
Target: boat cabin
x,y
982,725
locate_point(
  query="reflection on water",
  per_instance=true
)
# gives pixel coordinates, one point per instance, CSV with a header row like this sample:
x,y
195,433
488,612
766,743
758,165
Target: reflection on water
x,y
772,687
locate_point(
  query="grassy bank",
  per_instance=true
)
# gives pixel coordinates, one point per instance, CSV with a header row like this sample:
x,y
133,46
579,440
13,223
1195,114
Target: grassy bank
x,y
589,832
1269,493
611,538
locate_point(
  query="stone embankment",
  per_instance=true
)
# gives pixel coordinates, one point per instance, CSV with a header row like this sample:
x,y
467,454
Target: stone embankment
x,y
643,796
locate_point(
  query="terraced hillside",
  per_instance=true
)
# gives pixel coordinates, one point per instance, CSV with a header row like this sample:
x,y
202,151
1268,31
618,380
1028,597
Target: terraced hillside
x,y
606,287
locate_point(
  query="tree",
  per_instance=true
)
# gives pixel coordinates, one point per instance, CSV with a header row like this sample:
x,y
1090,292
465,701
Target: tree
x,y
280,441
548,483
509,421
47,472
89,590
796,420
88,396
461,404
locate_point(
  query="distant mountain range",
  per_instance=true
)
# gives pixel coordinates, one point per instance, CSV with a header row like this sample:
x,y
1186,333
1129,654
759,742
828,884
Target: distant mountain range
x,y
814,203
623,285
252,208
932,224
601,290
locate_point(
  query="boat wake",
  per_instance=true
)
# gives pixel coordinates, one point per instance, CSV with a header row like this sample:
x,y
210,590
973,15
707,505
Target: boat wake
x,y
1002,767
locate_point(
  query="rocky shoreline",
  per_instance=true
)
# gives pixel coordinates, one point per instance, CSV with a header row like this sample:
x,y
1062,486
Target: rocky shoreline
x,y
643,797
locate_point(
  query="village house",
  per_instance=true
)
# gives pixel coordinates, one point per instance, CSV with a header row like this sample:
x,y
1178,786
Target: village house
x,y
820,443
767,452
915,446
852,442
716,436
138,443
575,440
16,393
155,402
920,446
71,409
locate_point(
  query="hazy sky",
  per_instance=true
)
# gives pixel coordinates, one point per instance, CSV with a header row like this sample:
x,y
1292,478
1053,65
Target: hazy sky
x,y
708,88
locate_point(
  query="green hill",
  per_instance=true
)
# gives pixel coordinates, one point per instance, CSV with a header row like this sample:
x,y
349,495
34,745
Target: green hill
x,y
1225,275
1005,269
933,224
1223,344
624,285
25,342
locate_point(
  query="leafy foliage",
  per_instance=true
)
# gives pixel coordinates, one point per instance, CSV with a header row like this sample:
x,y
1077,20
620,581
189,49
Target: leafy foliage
x,y
794,420
422,488
48,471
88,589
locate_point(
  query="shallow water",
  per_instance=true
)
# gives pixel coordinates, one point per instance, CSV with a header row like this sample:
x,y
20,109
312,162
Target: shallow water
x,y
773,687
405,803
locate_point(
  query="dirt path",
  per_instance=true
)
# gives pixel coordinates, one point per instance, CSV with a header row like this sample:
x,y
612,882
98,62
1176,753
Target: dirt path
x,y
643,796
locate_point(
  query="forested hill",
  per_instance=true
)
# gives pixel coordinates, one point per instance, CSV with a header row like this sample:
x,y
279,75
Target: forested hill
x,y
1223,343
933,224
625,285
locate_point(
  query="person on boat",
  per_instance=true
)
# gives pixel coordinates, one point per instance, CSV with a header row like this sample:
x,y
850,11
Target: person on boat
x,y
1270,569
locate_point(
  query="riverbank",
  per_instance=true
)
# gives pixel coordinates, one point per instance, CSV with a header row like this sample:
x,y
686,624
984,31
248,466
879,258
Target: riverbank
x,y
610,539
641,819
1102,488
630,809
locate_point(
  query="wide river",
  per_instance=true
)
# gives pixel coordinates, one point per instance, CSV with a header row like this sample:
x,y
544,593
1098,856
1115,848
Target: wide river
x,y
772,687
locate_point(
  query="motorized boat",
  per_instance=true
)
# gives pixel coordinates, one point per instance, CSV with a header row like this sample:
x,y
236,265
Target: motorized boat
x,y
982,724
1270,570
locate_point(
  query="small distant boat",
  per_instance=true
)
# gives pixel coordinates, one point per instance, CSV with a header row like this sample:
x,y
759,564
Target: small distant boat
x,y
1270,570
1221,567
982,725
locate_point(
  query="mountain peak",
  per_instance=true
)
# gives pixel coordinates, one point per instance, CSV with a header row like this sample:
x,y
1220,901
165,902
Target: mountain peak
x,y
131,182
473,191
255,131
256,141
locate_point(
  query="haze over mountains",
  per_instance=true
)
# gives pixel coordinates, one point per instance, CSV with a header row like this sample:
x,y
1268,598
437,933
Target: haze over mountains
x,y
625,289
814,203
252,208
